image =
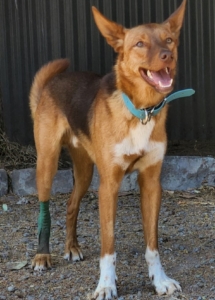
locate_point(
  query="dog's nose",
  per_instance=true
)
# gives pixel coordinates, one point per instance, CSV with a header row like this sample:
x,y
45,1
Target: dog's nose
x,y
166,55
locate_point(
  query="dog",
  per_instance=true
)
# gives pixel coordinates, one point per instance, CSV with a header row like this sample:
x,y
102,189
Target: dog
x,y
88,114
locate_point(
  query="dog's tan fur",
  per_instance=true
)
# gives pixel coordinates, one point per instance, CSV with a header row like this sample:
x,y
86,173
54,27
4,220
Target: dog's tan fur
x,y
114,142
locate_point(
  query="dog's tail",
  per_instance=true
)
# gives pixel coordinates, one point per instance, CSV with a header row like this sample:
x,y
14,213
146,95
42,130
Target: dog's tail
x,y
42,77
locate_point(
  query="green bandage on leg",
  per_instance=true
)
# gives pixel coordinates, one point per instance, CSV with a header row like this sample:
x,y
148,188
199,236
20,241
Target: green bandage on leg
x,y
44,226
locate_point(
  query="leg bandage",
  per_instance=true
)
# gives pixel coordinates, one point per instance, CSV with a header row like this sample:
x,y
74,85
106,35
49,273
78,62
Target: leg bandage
x,y
44,226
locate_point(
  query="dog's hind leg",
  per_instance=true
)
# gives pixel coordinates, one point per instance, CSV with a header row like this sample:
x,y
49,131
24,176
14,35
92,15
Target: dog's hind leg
x,y
48,149
83,171
150,191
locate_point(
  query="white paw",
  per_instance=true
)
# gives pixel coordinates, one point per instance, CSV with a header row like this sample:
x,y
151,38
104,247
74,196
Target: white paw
x,y
165,285
106,289
162,283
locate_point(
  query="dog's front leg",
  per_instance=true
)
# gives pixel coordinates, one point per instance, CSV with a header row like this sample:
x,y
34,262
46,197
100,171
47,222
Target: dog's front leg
x,y
106,288
150,191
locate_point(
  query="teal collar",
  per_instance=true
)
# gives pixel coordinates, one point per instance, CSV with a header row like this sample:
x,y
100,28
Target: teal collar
x,y
145,114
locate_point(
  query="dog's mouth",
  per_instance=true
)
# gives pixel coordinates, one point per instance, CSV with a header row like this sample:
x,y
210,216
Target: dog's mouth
x,y
161,80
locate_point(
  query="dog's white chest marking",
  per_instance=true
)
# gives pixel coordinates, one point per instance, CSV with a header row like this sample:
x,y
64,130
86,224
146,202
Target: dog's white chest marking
x,y
136,141
162,283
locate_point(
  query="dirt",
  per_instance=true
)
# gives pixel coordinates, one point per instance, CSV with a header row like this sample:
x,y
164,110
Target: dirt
x,y
186,241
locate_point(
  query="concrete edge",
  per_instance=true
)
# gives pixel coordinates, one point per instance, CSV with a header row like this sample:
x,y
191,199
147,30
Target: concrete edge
x,y
178,173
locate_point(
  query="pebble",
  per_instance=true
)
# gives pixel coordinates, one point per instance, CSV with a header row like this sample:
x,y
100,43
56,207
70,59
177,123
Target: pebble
x,y
181,229
18,294
200,284
24,240
11,288
139,294
181,247
30,298
196,250
30,246
24,277
2,297
56,241
23,201
60,224
92,196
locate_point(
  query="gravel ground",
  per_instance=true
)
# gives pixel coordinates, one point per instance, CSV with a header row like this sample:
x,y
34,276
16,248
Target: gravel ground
x,y
186,238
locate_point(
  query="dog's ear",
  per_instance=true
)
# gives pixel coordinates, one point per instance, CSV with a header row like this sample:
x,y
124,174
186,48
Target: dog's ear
x,y
113,32
175,21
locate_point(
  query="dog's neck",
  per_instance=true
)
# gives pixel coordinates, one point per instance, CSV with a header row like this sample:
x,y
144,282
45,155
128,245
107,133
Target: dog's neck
x,y
145,114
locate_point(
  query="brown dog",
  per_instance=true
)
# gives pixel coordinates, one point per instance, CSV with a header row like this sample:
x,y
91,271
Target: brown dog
x,y
87,114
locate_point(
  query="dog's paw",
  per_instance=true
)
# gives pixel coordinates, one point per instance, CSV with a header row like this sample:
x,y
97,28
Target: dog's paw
x,y
161,282
105,293
74,254
165,285
106,289
41,262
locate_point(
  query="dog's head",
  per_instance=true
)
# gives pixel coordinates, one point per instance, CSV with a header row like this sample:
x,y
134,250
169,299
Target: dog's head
x,y
147,53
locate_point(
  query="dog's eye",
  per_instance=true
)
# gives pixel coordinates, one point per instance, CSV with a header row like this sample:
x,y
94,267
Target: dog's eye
x,y
169,40
140,44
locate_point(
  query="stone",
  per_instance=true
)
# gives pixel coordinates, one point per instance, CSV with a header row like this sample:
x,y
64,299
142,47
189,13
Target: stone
x,y
3,182
187,172
178,173
24,182
63,182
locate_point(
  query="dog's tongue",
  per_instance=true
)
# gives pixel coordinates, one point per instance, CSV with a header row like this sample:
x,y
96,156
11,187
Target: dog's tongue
x,y
161,78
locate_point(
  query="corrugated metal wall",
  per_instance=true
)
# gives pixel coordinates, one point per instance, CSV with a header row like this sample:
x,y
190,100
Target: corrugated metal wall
x,y
33,32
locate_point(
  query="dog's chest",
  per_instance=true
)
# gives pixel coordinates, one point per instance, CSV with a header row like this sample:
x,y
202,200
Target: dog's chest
x,y
136,142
